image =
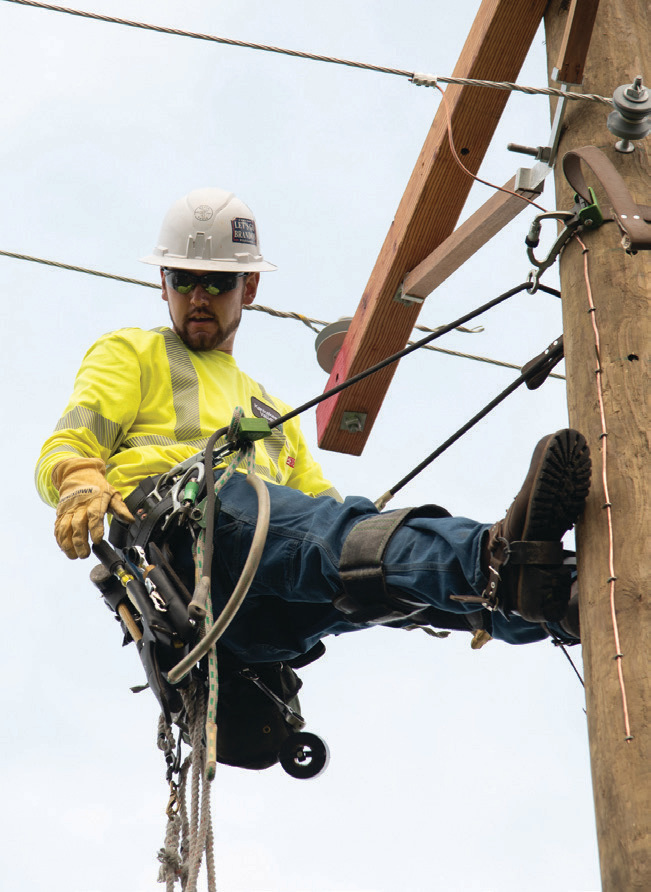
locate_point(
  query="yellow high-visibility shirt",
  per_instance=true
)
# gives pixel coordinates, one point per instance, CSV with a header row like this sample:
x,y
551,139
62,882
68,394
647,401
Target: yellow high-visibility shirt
x,y
143,402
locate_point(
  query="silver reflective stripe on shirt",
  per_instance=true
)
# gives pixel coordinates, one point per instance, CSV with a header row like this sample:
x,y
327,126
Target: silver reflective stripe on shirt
x,y
277,441
158,440
107,432
185,389
67,449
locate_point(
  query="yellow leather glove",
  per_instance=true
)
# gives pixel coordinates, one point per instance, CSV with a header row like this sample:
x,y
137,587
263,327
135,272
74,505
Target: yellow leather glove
x,y
85,496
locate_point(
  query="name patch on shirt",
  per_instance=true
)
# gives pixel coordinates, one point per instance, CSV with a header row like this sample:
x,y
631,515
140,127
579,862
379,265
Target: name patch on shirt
x,y
262,410
244,231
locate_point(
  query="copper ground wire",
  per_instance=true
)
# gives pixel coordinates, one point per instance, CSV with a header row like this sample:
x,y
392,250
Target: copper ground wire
x,y
619,656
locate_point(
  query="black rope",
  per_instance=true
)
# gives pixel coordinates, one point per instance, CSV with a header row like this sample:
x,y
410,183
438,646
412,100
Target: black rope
x,y
533,369
556,641
547,289
559,643
543,363
444,329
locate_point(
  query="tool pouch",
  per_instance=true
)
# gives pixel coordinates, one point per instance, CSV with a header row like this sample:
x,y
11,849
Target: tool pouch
x,y
258,708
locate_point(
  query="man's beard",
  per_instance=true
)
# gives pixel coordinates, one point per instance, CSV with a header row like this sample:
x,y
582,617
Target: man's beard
x,y
206,340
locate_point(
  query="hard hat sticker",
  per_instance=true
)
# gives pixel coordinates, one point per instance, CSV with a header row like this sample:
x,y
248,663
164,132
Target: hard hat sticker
x,y
244,231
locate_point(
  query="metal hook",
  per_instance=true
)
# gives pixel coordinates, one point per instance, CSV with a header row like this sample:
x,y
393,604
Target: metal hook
x,y
533,240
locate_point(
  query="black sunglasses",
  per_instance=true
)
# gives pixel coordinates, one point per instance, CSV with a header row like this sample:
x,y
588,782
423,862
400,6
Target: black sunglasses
x,y
184,282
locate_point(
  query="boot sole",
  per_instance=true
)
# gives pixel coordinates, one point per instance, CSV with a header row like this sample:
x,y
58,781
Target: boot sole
x,y
561,468
560,488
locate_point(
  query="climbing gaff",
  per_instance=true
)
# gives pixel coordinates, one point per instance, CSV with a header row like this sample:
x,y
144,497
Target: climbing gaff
x,y
291,716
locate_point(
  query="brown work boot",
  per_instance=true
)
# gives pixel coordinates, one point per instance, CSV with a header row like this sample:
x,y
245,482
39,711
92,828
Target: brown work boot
x,y
570,622
523,553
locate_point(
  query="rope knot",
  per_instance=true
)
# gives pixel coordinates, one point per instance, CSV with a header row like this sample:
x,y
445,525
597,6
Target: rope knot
x,y
170,861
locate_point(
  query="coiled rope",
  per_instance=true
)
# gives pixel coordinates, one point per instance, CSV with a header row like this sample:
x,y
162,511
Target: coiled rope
x,y
186,842
188,837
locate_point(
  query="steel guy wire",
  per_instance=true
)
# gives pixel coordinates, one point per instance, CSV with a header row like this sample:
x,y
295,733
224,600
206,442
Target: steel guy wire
x,y
425,80
102,275
281,314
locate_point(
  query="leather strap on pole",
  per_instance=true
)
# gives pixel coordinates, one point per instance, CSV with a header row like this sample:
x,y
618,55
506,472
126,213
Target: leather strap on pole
x,y
633,219
366,596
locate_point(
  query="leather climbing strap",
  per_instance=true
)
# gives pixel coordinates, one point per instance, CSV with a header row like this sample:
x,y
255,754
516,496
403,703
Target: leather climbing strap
x,y
147,518
366,597
633,219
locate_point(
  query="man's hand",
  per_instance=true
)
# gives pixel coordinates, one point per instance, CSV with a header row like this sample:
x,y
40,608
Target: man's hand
x,y
85,496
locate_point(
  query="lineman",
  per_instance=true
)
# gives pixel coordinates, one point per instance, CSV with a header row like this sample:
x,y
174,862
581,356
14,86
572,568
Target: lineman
x,y
144,401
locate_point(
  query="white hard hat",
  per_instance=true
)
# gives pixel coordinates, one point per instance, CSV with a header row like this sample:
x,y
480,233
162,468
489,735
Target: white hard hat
x,y
209,229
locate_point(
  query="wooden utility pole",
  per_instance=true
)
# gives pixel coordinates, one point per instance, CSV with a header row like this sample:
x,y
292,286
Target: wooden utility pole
x,y
618,709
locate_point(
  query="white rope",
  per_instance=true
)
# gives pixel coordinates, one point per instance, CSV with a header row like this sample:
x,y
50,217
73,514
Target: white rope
x,y
188,838
172,867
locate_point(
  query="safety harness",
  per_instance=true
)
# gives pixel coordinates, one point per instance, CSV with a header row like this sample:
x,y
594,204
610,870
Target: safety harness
x,y
139,582
258,710
201,686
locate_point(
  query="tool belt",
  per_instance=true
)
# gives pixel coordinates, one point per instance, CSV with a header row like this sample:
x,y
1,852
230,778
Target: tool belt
x,y
258,711
155,512
149,513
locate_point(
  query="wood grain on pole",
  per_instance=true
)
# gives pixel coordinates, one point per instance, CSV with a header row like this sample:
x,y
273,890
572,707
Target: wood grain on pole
x,y
576,41
621,768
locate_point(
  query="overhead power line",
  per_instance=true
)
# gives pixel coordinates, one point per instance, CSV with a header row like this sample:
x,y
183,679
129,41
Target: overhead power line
x,y
426,80
94,272
281,314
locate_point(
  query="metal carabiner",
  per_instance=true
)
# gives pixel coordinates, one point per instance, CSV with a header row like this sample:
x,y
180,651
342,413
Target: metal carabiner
x,y
181,506
533,240
174,802
195,474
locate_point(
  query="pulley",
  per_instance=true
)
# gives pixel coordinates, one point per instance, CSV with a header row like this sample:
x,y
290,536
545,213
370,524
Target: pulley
x,y
329,340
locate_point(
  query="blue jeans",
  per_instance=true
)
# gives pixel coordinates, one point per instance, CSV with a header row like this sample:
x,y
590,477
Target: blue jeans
x,y
289,607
